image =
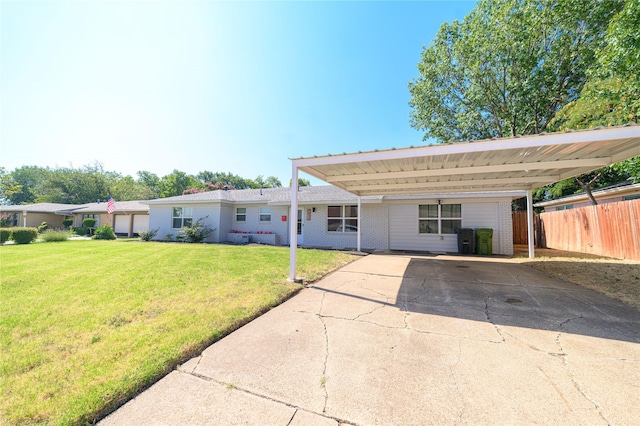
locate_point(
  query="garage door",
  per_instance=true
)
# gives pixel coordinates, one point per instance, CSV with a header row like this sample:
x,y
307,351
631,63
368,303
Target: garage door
x,y
122,224
140,223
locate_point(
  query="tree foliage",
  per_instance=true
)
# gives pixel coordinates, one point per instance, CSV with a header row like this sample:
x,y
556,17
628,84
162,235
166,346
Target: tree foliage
x,y
610,97
87,184
507,68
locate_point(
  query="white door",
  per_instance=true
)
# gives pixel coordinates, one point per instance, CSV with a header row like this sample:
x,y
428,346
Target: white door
x,y
300,228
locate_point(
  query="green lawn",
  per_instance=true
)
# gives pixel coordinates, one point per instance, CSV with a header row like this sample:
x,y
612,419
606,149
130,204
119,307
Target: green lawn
x,y
85,325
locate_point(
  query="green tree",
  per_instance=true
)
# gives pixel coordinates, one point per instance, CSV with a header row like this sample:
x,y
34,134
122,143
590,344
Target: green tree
x,y
611,96
269,182
228,179
126,188
151,181
176,183
507,68
301,182
27,178
87,184
8,187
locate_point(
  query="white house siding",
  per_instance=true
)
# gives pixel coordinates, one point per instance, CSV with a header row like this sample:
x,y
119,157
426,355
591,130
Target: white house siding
x,y
403,231
226,220
494,214
162,219
253,225
374,228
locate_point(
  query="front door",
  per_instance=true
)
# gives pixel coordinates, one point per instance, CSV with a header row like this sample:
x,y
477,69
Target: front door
x,y
300,227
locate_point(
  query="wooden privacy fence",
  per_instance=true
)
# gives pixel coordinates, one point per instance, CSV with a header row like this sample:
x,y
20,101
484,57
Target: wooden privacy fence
x,y
611,229
519,221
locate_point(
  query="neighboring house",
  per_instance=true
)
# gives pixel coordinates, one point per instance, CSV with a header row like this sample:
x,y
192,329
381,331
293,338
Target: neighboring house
x,y
128,219
611,194
328,217
32,215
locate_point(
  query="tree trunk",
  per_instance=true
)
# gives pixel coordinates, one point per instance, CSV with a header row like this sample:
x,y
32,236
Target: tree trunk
x,y
587,188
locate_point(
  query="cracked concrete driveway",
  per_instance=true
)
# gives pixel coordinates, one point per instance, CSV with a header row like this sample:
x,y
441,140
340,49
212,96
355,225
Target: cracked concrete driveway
x,y
401,340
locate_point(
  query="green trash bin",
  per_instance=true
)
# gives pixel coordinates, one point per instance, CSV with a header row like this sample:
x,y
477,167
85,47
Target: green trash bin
x,y
484,241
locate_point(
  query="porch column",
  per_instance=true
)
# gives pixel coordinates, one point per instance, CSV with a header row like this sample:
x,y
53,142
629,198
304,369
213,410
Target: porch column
x,y
24,219
530,224
359,224
293,223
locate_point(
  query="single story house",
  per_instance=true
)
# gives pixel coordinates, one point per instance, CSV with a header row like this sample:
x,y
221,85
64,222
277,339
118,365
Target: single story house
x,y
32,215
612,194
328,217
128,219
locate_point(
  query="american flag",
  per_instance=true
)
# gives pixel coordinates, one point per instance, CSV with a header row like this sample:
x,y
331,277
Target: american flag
x,y
111,205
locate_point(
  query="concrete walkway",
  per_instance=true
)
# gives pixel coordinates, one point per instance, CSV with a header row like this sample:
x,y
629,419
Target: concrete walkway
x,y
410,340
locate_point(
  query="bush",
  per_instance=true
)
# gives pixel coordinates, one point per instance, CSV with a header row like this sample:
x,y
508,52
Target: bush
x,y
24,235
80,230
5,235
67,223
88,222
54,236
104,232
43,227
195,233
148,235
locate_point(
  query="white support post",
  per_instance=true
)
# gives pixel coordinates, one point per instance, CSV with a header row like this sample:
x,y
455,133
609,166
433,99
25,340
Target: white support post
x,y
359,224
530,224
293,223
24,219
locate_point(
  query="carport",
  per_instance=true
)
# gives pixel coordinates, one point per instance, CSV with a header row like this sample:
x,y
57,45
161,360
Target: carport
x,y
518,164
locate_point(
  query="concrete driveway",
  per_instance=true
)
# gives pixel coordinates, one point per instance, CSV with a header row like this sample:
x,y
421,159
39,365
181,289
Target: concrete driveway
x,y
414,340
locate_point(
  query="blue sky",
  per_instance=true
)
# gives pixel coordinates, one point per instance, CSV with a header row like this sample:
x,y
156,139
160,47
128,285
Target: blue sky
x,y
236,87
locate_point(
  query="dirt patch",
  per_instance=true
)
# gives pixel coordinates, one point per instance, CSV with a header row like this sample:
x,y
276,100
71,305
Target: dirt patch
x,y
618,279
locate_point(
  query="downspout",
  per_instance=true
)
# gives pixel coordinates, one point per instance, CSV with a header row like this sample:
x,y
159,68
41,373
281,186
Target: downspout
x,y
293,223
359,224
530,224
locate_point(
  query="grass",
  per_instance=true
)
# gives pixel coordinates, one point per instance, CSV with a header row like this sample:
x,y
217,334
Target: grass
x,y
86,325
53,235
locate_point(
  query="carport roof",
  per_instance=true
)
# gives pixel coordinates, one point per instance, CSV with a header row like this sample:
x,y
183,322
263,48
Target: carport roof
x,y
510,164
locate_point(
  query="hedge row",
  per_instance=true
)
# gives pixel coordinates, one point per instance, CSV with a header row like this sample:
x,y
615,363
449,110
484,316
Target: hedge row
x,y
19,235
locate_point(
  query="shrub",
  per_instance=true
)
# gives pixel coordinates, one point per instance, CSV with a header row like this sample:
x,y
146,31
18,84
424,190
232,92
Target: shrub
x,y
24,235
67,223
43,227
195,233
148,235
51,235
88,222
5,235
104,232
80,230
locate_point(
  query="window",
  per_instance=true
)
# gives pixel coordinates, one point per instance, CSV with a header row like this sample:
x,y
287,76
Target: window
x,y
182,216
265,214
439,218
92,216
342,219
241,214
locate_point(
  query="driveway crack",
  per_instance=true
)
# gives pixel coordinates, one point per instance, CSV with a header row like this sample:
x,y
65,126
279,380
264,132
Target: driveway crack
x,y
564,356
488,315
323,378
